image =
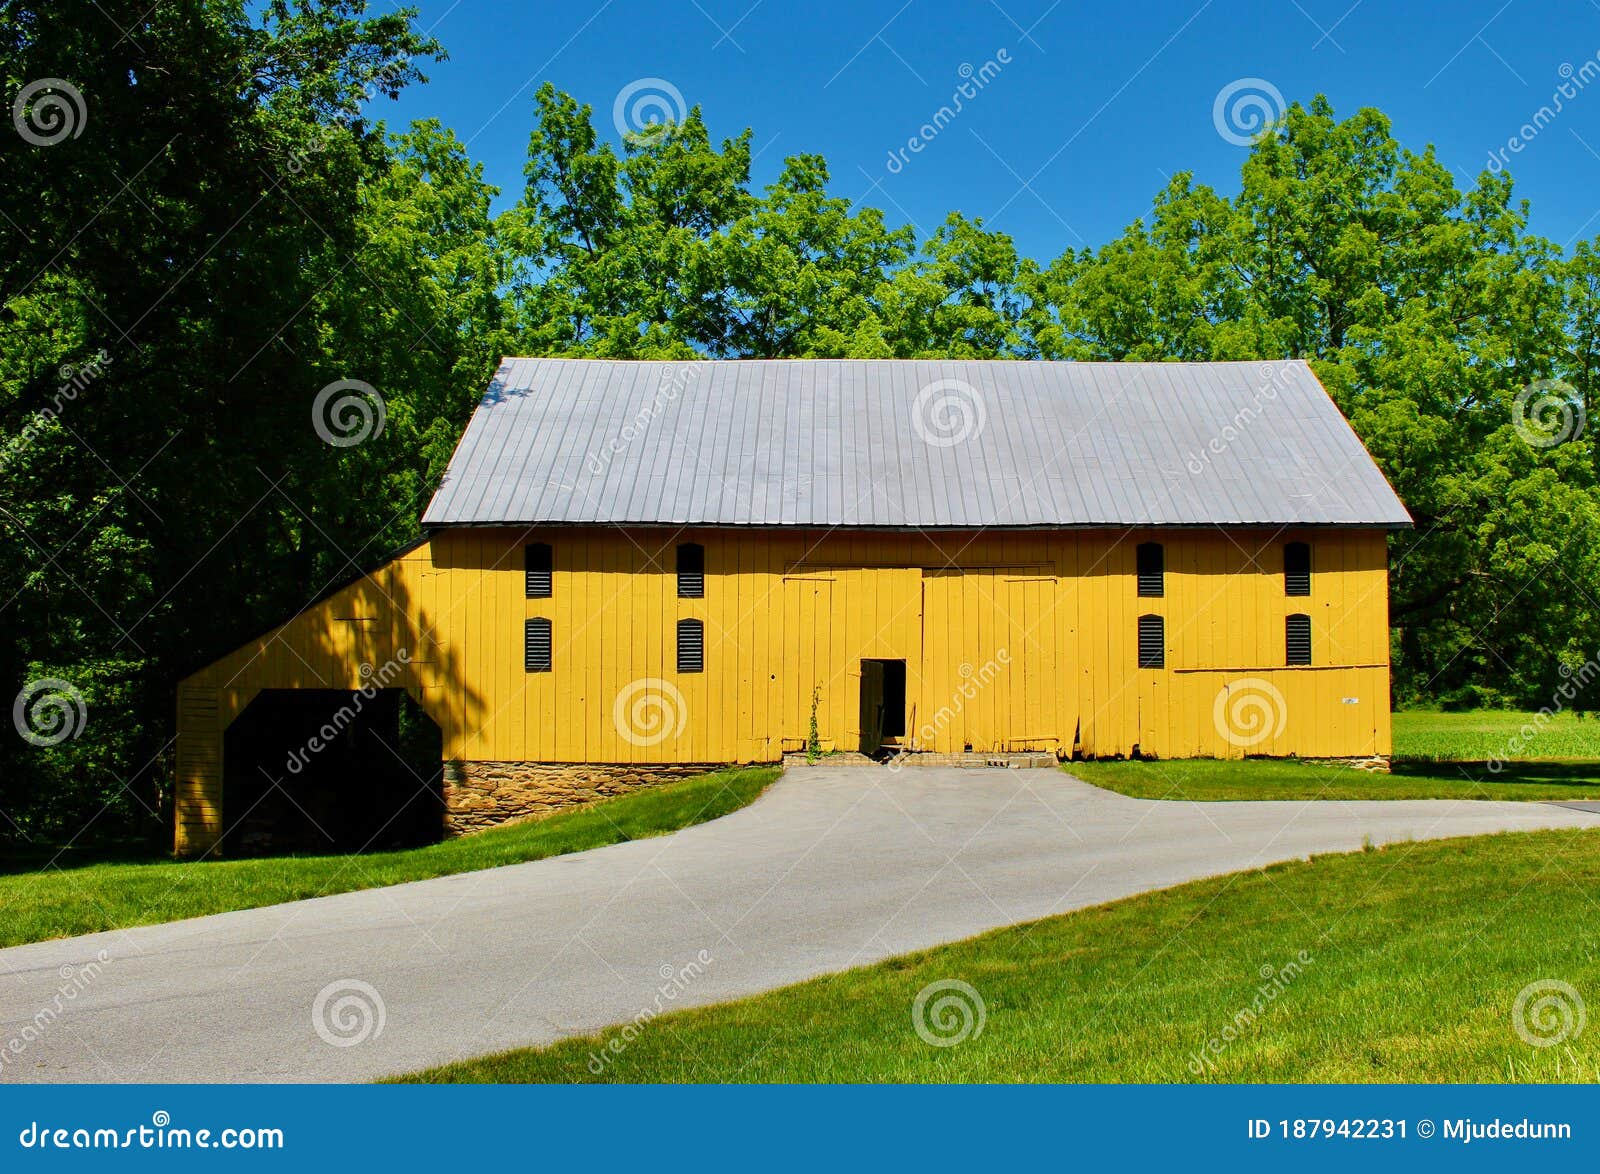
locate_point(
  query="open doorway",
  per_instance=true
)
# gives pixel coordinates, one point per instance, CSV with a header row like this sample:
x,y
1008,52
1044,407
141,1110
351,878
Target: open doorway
x,y
883,703
331,770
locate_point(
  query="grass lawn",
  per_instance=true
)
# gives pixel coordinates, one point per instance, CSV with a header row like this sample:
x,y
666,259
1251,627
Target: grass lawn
x,y
1488,733
60,902
1436,756
1400,964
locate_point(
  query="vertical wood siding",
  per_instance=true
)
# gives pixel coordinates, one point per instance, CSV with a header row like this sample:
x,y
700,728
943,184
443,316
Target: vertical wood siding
x,y
1011,641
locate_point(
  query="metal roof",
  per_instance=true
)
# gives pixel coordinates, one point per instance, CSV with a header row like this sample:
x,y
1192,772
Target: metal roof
x,y
910,443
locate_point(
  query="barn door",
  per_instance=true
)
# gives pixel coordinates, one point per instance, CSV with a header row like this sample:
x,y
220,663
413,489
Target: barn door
x,y
811,683
1032,613
989,660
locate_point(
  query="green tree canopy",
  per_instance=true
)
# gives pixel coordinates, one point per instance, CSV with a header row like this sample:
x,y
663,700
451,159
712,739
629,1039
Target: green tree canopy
x,y
228,229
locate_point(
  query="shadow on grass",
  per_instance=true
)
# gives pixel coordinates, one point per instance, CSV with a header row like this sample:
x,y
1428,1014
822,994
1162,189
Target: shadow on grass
x,y
1570,774
17,858
25,857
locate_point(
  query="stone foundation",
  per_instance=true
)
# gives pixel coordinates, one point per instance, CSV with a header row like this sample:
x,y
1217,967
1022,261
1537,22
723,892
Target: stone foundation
x,y
480,795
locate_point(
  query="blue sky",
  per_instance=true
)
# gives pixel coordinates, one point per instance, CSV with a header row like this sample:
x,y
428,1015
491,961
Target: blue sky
x,y
1068,140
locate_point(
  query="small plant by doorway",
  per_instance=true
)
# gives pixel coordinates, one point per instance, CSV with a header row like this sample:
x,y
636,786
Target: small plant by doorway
x,y
814,735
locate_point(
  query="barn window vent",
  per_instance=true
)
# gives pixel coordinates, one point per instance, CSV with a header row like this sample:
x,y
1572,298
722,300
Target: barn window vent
x,y
536,645
691,571
1152,562
1297,568
1152,642
538,560
1297,639
691,646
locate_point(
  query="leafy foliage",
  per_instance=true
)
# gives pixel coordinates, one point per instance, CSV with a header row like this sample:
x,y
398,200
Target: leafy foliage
x,y
232,230
1427,310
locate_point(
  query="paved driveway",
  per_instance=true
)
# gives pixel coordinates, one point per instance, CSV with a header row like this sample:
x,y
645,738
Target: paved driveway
x,y
832,868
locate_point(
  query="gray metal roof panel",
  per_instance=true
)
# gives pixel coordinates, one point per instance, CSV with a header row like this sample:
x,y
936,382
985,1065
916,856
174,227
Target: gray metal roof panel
x,y
910,443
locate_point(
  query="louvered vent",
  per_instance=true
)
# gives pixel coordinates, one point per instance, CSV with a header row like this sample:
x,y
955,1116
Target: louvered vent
x,y
1297,569
691,646
1152,642
536,646
691,571
539,561
1152,567
1297,639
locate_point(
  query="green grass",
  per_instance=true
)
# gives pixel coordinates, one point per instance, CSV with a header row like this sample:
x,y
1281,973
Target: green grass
x,y
1413,959
1488,733
60,902
1436,756
1209,780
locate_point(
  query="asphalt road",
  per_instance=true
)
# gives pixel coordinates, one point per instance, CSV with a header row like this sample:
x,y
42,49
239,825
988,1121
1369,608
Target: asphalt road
x,y
832,868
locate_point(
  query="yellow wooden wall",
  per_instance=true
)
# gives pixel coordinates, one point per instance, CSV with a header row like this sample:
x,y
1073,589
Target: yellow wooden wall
x,y
378,629
1012,641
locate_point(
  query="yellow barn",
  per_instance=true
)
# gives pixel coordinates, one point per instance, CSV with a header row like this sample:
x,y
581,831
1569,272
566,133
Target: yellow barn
x,y
632,570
